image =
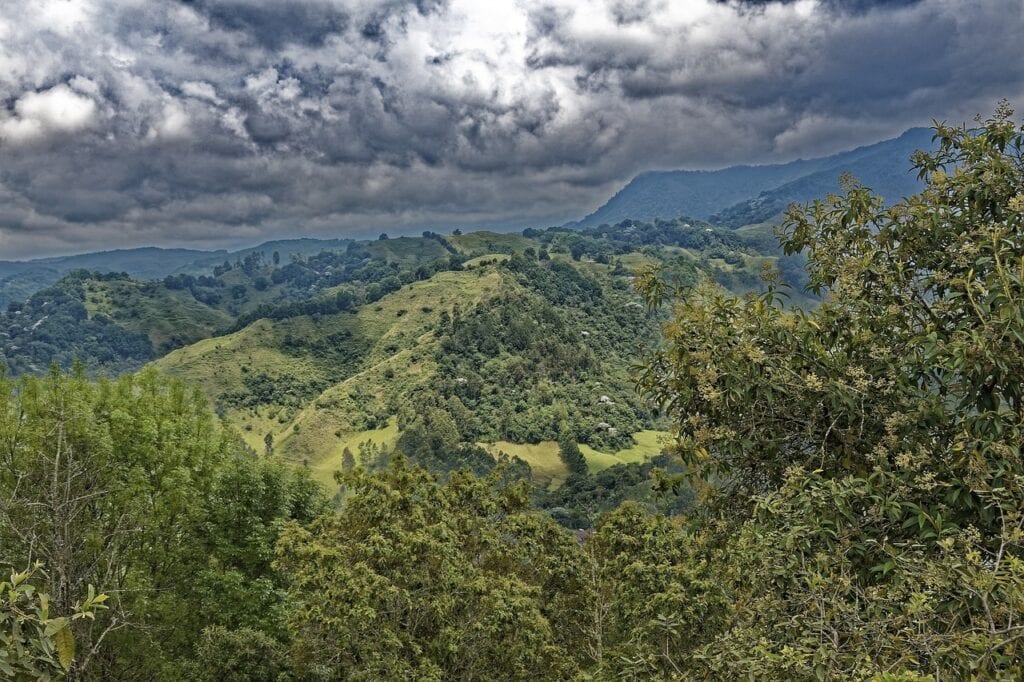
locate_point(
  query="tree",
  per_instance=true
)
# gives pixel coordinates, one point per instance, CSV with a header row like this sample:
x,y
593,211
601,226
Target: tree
x,y
133,487
571,456
865,456
415,579
276,258
268,444
652,600
243,655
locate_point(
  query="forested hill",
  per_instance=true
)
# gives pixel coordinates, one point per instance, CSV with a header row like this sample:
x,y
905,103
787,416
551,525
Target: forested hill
x,y
457,350
20,279
741,195
112,322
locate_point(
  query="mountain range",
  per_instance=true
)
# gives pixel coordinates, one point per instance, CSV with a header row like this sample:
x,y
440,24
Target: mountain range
x,y
731,197
743,195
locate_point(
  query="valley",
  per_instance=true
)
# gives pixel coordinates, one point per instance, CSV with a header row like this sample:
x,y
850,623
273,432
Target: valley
x,y
474,347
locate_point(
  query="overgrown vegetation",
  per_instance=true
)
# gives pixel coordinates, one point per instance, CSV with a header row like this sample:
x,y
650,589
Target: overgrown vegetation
x,y
843,497
861,467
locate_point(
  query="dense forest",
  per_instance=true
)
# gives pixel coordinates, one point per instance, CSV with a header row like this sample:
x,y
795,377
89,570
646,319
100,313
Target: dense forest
x,y
841,495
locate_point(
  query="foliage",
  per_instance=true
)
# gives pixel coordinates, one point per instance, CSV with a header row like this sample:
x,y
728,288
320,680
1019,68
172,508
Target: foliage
x,y
34,646
654,597
867,454
528,367
131,486
583,499
240,655
54,326
570,453
418,579
114,324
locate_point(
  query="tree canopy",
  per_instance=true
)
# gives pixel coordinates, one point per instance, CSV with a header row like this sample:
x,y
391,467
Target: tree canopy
x,y
865,456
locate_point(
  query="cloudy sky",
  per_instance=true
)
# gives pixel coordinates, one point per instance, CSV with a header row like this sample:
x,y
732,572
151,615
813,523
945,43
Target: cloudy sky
x,y
215,123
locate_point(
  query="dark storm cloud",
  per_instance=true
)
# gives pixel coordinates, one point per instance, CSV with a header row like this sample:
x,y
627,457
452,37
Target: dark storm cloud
x,y
226,121
841,6
275,24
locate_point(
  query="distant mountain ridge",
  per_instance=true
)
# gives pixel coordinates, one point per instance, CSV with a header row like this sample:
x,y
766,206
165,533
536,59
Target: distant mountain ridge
x,y
20,279
741,195
144,263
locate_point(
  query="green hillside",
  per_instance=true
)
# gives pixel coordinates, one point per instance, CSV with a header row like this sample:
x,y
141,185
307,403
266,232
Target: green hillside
x,y
169,318
322,359
317,385
112,323
485,242
456,351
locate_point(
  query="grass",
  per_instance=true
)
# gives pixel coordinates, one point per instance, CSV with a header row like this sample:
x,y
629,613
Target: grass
x,y
401,358
479,243
635,259
546,465
648,444
323,471
474,262
168,318
219,364
391,351
549,471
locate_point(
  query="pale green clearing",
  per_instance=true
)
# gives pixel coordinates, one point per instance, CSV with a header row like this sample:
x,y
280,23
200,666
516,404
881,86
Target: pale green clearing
x,y
475,243
323,471
549,471
545,464
475,262
649,444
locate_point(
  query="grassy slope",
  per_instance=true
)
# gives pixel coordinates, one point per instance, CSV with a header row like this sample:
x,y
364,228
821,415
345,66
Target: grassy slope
x,y
167,317
401,358
323,470
398,353
399,346
549,470
545,463
648,445
484,242
486,258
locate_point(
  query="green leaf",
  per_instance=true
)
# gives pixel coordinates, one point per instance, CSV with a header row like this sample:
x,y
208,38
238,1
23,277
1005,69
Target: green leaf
x,y
65,642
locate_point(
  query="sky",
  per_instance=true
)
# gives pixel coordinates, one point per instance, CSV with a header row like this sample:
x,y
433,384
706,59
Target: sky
x,y
212,123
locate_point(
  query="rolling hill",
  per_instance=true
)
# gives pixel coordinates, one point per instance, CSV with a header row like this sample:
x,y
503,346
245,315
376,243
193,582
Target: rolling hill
x,y
21,279
113,323
505,355
457,351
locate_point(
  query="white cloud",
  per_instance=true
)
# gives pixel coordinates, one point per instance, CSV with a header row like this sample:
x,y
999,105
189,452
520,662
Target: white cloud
x,y
200,90
57,110
172,122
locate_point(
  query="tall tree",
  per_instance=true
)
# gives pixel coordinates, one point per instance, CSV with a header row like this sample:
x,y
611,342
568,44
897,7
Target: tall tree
x,y
571,456
415,579
132,486
867,453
